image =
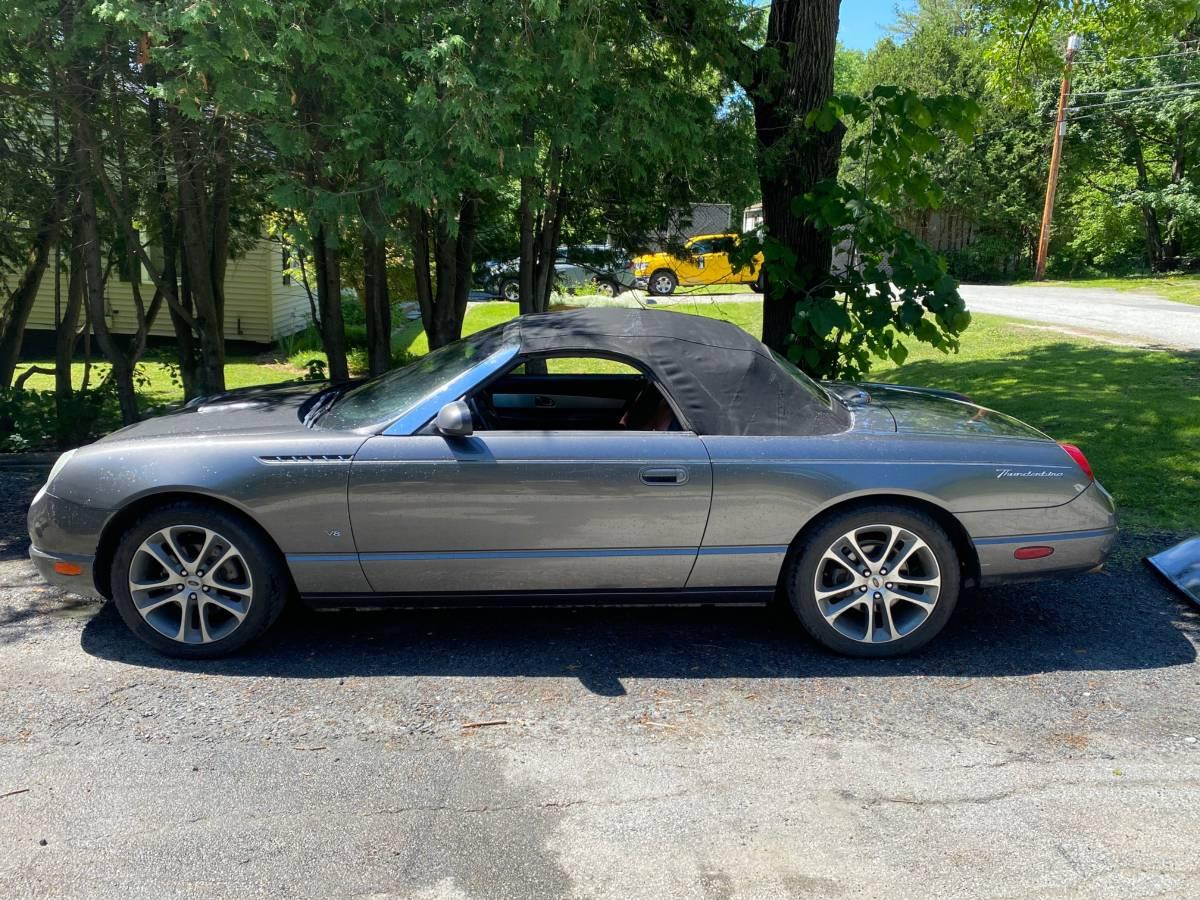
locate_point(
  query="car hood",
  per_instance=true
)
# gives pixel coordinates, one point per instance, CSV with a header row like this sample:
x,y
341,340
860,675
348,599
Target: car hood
x,y
270,409
928,411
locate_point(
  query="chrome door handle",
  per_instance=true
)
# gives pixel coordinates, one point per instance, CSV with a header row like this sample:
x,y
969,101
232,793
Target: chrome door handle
x,y
659,475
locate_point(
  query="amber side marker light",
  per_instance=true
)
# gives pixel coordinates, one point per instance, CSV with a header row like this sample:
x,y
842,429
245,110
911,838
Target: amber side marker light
x,y
66,568
1033,552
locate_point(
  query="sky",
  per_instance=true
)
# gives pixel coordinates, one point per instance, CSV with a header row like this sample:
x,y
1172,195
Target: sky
x,y
863,22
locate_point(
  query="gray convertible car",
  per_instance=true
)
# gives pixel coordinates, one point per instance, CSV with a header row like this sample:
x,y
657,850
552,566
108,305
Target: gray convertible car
x,y
594,456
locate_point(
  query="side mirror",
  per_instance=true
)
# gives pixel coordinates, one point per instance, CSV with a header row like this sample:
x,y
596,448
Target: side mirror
x,y
454,420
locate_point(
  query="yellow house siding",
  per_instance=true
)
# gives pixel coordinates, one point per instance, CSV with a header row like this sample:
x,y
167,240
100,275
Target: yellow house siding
x,y
248,299
248,296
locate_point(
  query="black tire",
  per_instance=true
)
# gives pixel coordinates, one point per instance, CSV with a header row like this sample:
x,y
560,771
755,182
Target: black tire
x,y
662,282
757,285
607,288
510,290
801,579
257,565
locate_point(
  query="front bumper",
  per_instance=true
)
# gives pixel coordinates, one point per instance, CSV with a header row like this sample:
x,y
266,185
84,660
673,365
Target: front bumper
x,y
62,532
68,571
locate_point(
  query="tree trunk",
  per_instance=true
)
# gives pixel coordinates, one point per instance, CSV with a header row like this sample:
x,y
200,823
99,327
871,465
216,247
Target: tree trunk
x,y
376,301
794,76
468,223
443,299
87,239
20,304
67,333
1154,242
328,263
549,227
528,256
1173,248
203,243
418,232
186,355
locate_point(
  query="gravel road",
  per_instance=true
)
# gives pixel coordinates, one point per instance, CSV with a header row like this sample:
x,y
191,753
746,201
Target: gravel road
x,y
1045,745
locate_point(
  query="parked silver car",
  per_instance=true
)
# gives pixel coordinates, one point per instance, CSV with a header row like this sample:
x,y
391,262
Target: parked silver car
x,y
589,268
698,468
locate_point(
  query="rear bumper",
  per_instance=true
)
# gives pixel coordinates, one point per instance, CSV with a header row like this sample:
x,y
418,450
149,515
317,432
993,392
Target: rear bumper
x,y
1073,553
1089,530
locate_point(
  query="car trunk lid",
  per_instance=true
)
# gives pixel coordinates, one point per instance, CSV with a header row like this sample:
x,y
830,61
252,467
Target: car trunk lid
x,y
928,411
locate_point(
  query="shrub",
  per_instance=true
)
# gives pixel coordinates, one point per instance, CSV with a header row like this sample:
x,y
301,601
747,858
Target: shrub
x,y
34,420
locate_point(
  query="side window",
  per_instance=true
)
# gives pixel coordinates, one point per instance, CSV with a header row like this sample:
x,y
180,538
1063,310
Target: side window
x,y
699,248
573,392
723,245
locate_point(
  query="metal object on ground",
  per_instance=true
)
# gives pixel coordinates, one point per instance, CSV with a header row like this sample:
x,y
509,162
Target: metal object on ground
x,y
1180,565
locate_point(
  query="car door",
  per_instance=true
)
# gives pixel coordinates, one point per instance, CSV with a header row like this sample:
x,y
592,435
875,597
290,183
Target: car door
x,y
715,261
691,269
519,511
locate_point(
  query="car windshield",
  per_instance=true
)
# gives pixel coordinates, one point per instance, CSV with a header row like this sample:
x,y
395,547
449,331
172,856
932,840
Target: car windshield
x,y
389,396
803,380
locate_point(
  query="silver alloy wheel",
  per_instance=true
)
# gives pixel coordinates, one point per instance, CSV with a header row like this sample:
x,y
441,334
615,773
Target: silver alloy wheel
x,y
190,584
605,289
877,583
662,284
511,291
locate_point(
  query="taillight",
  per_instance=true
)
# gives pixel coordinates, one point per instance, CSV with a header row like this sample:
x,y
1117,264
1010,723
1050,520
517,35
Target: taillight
x,y
1076,454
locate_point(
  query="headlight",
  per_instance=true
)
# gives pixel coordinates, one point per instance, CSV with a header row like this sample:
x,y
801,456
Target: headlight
x,y
59,465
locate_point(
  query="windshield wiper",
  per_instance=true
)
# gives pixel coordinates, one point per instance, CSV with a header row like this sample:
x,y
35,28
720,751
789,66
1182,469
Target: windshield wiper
x,y
321,405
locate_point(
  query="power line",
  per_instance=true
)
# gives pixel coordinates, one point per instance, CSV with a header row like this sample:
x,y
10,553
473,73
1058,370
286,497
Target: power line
x,y
1182,91
1122,109
1126,59
1136,90
1183,48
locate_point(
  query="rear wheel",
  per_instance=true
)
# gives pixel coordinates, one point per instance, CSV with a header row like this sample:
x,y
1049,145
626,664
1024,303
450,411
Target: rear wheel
x,y
606,288
197,582
875,582
663,282
510,290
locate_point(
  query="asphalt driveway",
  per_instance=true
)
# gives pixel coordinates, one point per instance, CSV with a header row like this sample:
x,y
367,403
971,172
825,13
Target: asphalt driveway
x,y
1140,318
1045,745
1131,317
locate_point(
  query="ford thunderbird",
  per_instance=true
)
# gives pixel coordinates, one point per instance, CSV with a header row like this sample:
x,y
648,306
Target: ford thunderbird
x,y
592,456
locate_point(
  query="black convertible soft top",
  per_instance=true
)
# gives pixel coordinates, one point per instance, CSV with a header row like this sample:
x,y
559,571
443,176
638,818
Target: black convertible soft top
x,y
724,381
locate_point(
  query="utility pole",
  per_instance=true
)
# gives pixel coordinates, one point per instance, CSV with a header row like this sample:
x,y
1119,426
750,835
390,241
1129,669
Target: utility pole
x,y
1060,131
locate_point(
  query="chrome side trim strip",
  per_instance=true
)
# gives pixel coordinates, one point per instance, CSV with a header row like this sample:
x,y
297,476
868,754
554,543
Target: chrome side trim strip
x,y
1044,538
424,555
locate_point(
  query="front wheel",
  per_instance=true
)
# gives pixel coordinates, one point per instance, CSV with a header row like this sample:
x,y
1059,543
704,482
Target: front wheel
x,y
663,282
875,582
510,290
606,288
197,582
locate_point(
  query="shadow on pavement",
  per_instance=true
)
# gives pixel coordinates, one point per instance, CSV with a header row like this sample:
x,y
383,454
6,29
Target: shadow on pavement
x,y
1099,622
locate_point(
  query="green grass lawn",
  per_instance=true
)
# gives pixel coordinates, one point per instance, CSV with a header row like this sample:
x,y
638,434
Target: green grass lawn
x,y
712,289
1180,288
1135,413
240,371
